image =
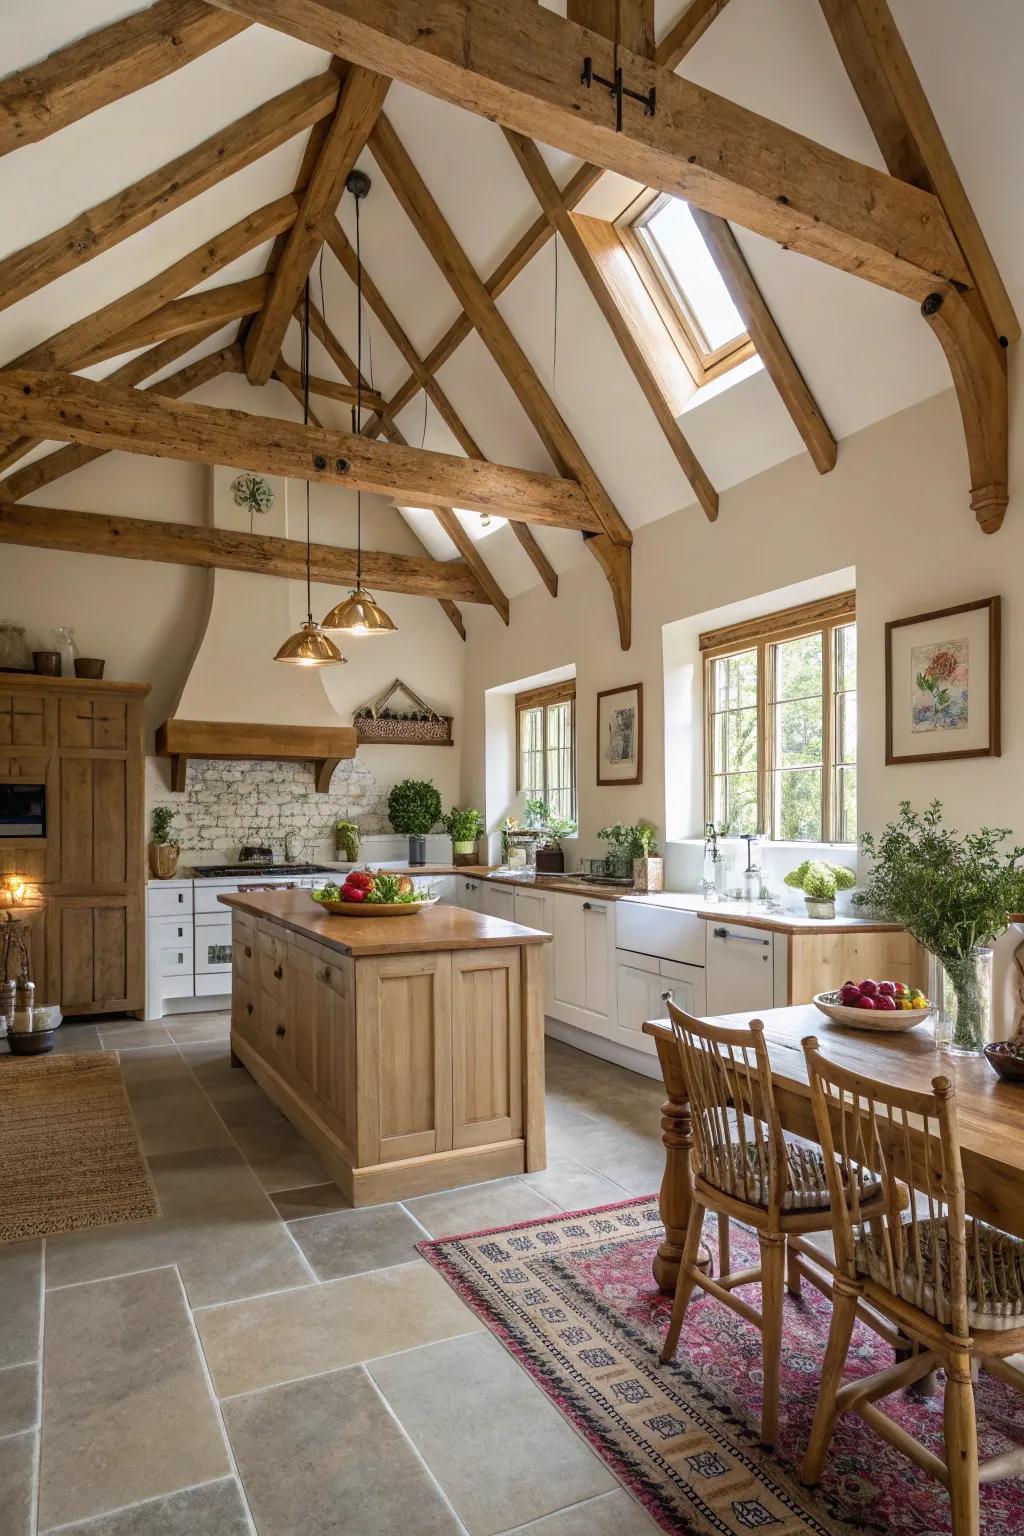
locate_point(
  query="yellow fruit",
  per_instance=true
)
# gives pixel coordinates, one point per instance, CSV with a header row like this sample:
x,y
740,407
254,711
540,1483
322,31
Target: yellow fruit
x,y
905,1002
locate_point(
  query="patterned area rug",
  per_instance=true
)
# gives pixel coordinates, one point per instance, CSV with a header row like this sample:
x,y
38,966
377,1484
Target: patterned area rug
x,y
70,1154
574,1300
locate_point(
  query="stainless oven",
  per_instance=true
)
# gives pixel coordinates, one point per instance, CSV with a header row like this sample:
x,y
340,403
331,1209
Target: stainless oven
x,y
22,810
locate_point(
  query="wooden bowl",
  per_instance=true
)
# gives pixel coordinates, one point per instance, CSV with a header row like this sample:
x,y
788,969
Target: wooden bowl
x,y
378,908
30,1042
1002,1060
882,1021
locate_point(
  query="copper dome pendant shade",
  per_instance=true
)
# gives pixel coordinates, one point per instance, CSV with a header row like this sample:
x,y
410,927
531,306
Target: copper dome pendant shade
x,y
308,646
359,613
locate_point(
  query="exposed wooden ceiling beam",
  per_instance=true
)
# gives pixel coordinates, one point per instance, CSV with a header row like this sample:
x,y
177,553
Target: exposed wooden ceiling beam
x,y
106,65
54,466
104,415
221,155
687,32
328,389
361,98
545,189
339,244
631,21
474,560
768,339
883,75
212,307
412,192
138,538
518,63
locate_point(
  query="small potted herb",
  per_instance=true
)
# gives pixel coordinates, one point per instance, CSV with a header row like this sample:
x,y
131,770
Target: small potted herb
x,y
551,854
648,869
819,880
464,827
163,850
414,809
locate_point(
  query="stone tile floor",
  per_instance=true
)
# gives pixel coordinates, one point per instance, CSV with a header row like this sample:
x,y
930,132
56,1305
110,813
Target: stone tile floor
x,y
263,1358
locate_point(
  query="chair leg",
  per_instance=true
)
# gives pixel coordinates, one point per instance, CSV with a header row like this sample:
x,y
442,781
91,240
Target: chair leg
x,y
961,1445
724,1260
844,1313
792,1273
686,1282
773,1258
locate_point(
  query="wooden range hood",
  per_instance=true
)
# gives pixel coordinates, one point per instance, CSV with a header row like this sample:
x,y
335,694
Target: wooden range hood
x,y
322,745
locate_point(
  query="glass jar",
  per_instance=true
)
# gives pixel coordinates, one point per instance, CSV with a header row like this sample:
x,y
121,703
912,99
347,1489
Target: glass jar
x,y
64,642
964,1022
15,654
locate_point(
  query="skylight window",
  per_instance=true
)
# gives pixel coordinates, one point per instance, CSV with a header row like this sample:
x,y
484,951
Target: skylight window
x,y
679,272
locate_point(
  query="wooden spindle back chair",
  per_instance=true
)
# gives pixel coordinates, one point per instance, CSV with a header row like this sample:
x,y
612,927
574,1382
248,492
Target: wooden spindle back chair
x,y
953,1285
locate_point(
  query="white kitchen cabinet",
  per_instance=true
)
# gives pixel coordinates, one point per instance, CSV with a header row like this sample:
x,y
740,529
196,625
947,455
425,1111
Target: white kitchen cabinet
x,y
497,900
468,893
441,886
532,909
740,968
584,962
641,984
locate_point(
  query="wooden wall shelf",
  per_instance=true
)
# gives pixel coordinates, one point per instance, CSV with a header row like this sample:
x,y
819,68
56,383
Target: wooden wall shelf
x,y
323,746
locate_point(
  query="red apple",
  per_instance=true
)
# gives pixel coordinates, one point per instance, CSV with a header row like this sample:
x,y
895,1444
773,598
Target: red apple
x,y
885,1004
868,987
850,995
887,989
866,1002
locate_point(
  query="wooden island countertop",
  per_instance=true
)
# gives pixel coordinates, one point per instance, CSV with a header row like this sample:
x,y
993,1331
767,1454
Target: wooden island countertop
x,y
438,928
409,1051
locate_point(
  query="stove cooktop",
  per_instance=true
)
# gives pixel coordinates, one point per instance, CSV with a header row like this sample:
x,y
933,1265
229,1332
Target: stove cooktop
x,y
228,871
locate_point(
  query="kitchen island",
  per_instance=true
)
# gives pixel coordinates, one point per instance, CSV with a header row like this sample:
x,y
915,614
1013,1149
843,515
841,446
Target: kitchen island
x,y
409,1051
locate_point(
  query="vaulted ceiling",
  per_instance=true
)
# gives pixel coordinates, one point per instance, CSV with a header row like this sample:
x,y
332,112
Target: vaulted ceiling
x,y
863,351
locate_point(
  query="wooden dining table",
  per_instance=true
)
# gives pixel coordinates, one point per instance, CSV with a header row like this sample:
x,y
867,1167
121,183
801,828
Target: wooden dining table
x,y
990,1111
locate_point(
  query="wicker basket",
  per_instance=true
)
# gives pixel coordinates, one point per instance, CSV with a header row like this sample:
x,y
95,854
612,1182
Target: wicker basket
x,y
373,724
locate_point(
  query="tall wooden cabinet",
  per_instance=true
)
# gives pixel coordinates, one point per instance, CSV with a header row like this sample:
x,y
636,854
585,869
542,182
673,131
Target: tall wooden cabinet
x,y
84,741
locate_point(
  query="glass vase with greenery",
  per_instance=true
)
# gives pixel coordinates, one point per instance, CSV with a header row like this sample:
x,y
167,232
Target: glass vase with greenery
x,y
414,809
954,894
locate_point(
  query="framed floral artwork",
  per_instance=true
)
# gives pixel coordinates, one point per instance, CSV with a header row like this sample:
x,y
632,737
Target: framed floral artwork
x,y
620,735
942,684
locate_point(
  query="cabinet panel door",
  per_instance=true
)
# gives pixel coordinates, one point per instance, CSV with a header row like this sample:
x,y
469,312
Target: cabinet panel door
x,y
99,954
109,821
76,820
570,960
334,1028
487,1093
533,910
498,900
405,1065
22,721
597,938
740,969
299,1044
639,1000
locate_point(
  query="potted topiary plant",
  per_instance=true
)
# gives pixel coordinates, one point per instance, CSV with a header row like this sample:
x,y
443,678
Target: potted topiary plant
x,y
819,880
954,895
648,869
464,828
414,809
163,851
346,840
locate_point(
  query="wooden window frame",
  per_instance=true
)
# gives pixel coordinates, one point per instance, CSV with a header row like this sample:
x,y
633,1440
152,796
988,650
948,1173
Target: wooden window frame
x,y
825,617
541,698
703,363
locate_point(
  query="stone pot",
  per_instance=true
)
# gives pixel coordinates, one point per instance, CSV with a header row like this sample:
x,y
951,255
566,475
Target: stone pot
x,y
649,875
822,911
463,853
163,860
417,850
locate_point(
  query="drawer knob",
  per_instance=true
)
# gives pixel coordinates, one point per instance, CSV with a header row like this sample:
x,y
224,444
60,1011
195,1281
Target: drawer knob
x,y
325,975
248,951
278,971
669,996
280,1030
248,1007
587,906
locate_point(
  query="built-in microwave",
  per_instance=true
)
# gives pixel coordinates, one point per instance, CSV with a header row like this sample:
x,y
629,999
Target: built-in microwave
x,y
22,810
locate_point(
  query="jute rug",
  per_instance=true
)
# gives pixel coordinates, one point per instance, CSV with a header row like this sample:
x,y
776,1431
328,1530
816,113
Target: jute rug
x,y
69,1153
573,1299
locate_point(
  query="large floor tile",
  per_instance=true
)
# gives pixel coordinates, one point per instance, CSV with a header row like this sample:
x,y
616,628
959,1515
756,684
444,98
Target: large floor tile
x,y
613,1514
19,1398
501,1452
21,1297
213,1509
325,1456
205,1026
210,1062
278,1156
325,1327
127,1412
77,1037
177,1122
349,1242
476,1207
216,1224
316,1200
572,1186
17,1485
122,1034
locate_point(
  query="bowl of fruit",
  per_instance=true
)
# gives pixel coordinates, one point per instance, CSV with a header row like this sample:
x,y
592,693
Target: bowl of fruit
x,y
1007,1058
373,893
878,1005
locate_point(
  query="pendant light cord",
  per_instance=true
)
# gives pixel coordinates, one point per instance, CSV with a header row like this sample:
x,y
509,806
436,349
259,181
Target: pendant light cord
x,y
305,421
359,394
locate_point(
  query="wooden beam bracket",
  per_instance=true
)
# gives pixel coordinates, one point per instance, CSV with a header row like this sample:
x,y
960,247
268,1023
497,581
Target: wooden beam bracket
x,y
978,365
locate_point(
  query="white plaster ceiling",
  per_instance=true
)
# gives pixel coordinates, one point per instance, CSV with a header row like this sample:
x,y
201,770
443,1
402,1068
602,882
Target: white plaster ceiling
x,y
865,352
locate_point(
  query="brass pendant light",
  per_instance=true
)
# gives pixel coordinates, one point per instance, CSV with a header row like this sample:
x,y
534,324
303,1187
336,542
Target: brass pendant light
x,y
359,613
309,646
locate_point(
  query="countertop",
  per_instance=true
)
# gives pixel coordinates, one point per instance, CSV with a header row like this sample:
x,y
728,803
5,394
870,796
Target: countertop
x,y
758,917
436,928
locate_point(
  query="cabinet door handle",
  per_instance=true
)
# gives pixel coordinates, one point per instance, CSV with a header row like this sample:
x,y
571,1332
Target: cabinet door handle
x,y
280,1030
181,897
181,958
248,1007
740,938
278,972
248,951
669,996
325,975
588,906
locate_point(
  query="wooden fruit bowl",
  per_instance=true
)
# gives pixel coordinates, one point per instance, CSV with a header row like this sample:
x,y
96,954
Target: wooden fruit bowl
x,y
881,1022
1005,1061
378,908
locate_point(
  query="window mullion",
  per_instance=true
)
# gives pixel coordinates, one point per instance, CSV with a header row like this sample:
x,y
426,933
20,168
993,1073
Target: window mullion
x,y
765,743
828,726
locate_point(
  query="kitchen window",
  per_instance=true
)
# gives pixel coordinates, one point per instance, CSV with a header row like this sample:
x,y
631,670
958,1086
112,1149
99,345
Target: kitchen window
x,y
781,724
665,242
546,747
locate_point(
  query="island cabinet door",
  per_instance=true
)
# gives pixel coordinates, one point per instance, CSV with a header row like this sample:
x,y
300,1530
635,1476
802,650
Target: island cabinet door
x,y
333,1052
404,1065
487,1089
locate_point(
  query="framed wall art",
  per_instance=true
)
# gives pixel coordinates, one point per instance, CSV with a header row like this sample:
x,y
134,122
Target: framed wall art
x,y
942,684
620,735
